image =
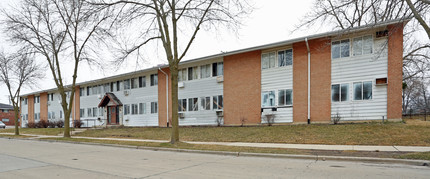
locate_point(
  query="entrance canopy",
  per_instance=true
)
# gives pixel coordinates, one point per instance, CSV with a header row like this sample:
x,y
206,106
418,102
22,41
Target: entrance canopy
x,y
110,100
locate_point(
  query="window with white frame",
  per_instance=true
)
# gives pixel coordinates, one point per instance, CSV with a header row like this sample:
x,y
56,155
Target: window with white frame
x,y
205,71
154,79
218,69
205,103
106,88
182,105
36,116
49,115
142,81
193,104
25,101
126,109
37,99
95,111
268,60
118,85
81,92
81,112
362,45
193,73
285,58
268,98
182,74
285,97
126,84
362,90
134,109
218,102
134,83
53,115
154,107
340,49
142,108
89,112
340,92
88,90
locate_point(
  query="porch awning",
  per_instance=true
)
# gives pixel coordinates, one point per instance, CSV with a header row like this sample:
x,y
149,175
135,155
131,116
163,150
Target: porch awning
x,y
110,100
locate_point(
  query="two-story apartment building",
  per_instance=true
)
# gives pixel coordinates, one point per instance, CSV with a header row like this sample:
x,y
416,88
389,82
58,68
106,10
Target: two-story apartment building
x,y
355,74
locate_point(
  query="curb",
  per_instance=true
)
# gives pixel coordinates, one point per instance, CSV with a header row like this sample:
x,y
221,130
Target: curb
x,y
246,154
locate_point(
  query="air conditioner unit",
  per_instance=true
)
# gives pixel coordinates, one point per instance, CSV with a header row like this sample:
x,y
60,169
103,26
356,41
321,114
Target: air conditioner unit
x,y
126,92
181,85
220,113
219,79
181,115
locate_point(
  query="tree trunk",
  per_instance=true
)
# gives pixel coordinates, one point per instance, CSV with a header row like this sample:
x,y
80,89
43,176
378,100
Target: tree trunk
x,y
16,110
66,120
174,96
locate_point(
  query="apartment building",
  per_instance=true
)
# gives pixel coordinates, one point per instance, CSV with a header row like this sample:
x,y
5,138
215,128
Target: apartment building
x,y
355,74
7,115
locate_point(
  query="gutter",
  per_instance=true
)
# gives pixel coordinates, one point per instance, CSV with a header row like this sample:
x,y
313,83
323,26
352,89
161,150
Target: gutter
x,y
167,95
309,81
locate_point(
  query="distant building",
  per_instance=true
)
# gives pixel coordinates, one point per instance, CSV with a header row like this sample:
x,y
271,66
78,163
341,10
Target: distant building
x,y
353,73
7,115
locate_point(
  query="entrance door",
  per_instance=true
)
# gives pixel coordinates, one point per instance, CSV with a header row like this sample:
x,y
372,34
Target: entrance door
x,y
112,115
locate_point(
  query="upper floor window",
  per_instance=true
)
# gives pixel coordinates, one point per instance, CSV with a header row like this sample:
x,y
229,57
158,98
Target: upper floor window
x,y
37,99
193,73
106,88
154,79
205,71
340,92
285,58
268,60
134,83
126,84
142,81
340,49
81,92
25,101
362,45
363,90
182,74
88,90
51,97
118,85
218,69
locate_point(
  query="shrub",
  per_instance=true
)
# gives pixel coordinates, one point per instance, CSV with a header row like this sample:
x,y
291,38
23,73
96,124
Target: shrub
x,y
77,123
52,124
336,118
270,119
59,124
42,124
31,125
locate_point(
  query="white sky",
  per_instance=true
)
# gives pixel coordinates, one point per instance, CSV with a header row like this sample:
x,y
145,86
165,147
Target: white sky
x,y
272,21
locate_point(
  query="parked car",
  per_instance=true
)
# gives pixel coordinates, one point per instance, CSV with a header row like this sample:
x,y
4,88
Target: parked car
x,y
2,125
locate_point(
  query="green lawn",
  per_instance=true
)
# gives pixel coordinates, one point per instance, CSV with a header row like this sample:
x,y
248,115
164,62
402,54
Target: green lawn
x,y
410,134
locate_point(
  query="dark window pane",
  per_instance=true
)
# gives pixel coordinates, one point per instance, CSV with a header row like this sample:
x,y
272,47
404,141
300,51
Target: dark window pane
x,y
289,57
358,91
335,93
220,102
281,58
214,69
281,97
367,90
344,92
289,97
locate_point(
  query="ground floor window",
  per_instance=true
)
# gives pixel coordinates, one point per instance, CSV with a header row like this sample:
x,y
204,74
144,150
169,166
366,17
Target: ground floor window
x,y
193,104
268,98
205,103
142,108
154,107
340,92
218,102
182,105
363,90
81,112
126,109
134,109
285,97
89,112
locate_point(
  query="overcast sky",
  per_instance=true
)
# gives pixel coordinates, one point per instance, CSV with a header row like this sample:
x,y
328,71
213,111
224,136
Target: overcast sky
x,y
272,21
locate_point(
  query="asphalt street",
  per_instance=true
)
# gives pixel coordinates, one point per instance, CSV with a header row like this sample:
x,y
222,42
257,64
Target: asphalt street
x,y
38,159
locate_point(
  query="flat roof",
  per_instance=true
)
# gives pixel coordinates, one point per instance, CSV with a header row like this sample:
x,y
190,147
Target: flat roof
x,y
244,50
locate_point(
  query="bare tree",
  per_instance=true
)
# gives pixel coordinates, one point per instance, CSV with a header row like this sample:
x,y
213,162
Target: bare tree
x,y
17,71
58,31
417,13
175,24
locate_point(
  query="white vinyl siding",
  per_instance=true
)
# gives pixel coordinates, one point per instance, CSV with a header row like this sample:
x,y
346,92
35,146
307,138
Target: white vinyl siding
x,y
358,69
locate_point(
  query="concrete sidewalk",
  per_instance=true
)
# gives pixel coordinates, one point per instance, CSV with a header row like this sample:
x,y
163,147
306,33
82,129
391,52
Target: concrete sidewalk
x,y
268,145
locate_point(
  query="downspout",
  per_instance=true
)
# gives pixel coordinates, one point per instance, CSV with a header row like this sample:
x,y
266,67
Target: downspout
x,y
167,95
309,81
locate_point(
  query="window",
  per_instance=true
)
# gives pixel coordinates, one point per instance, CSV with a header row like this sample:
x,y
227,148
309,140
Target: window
x,y
363,90
36,116
340,92
36,99
268,60
134,109
118,85
127,84
81,112
340,49
88,90
205,71
106,88
5,110
142,108
193,104
285,58
193,73
218,102
218,69
126,109
89,112
285,97
182,74
25,101
61,114
95,110
49,115
268,98
205,103
81,91
154,107
53,115
96,90
182,104
142,81
362,45
5,120
154,79
100,111
134,83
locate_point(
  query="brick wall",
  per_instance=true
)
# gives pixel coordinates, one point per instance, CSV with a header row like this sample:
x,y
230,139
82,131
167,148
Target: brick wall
x,y
44,106
162,108
395,78
30,108
300,82
8,115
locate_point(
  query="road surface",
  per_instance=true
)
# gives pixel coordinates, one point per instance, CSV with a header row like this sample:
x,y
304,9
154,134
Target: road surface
x,y
37,159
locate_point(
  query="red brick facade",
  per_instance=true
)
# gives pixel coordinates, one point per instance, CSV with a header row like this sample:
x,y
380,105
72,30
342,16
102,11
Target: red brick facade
x,y
395,73
10,114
